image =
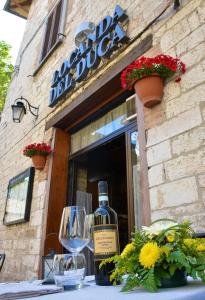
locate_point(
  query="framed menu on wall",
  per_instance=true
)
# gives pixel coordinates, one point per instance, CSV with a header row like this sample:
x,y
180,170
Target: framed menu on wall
x,y
19,196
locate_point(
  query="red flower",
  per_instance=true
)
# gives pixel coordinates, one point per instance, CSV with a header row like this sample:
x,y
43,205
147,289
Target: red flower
x,y
163,65
178,79
39,149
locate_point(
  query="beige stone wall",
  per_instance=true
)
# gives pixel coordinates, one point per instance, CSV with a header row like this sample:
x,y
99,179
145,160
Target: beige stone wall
x,y
175,146
175,135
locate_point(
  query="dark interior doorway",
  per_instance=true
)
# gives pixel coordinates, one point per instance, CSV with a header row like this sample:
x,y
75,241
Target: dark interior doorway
x,y
106,162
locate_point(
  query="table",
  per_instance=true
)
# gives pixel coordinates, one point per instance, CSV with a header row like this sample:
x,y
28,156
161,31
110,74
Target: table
x,y
195,290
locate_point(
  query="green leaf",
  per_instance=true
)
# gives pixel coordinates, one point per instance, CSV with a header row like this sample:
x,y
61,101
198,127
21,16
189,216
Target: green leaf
x,y
6,70
192,260
200,268
194,274
162,273
150,283
178,257
172,269
131,282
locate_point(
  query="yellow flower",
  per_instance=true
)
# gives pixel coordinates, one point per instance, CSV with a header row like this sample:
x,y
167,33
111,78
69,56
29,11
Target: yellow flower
x,y
149,254
190,242
117,273
170,238
129,248
165,250
200,247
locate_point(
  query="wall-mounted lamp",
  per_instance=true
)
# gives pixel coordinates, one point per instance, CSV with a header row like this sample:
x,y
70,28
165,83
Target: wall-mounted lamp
x,y
19,109
176,4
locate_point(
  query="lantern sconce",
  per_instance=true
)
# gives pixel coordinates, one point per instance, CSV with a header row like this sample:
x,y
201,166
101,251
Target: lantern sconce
x,y
19,109
47,268
176,5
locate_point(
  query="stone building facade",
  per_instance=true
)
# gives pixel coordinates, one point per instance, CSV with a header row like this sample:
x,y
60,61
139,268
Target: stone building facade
x,y
175,135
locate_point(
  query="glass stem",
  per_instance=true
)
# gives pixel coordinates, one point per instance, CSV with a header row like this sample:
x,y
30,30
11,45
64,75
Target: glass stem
x,y
75,260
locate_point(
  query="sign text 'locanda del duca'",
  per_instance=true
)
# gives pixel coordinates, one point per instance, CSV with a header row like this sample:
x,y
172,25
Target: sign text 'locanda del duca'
x,y
106,38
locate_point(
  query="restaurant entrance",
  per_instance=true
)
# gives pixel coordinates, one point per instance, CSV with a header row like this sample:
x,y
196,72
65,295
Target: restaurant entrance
x,y
104,146
106,162
107,148
115,161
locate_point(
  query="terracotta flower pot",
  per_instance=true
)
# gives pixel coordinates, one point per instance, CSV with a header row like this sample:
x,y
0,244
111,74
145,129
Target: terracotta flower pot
x,y
39,161
150,90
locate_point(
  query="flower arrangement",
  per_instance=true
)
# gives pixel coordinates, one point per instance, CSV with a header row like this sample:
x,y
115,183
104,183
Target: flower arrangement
x,y
163,65
37,149
156,253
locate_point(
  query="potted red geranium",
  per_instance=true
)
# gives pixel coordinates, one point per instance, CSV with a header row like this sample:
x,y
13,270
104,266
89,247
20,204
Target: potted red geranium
x,y
38,153
147,74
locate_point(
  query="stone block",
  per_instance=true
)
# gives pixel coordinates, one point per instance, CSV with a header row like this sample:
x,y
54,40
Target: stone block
x,y
201,180
186,165
185,102
160,214
201,12
154,116
35,204
194,77
158,153
156,175
174,35
37,218
198,221
191,41
188,209
174,126
7,244
34,246
39,232
194,20
202,106
28,260
188,141
203,196
38,261
176,212
171,90
20,244
175,193
189,7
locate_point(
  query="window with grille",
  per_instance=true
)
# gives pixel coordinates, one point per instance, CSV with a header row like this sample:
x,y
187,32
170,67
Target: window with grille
x,y
54,28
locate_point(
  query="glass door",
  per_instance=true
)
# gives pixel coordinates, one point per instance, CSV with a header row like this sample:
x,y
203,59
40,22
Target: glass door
x,y
133,179
107,148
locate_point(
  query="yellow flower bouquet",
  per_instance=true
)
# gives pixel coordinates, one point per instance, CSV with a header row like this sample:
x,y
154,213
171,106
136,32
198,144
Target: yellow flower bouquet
x,y
165,250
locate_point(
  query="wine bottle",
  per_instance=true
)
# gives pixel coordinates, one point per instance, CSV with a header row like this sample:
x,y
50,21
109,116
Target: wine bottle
x,y
105,236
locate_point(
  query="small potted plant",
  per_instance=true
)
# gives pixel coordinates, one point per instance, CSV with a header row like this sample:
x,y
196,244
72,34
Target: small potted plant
x,y
161,255
38,153
147,75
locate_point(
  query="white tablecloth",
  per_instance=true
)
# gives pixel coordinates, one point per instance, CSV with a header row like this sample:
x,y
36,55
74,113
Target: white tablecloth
x,y
195,290
17,290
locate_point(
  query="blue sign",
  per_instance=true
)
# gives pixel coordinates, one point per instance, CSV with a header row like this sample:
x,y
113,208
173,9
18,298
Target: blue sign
x,y
106,38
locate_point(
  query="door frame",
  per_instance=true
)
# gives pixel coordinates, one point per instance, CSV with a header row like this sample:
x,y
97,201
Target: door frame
x,y
129,176
130,197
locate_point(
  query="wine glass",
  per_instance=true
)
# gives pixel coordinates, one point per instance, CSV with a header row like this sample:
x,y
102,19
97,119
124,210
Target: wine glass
x,y
90,220
74,235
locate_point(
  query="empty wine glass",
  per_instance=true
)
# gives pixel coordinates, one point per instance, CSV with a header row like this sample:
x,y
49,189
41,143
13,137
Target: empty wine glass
x,y
90,220
74,235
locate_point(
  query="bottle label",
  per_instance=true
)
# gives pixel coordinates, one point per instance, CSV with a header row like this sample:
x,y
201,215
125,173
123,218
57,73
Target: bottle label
x,y
105,239
103,198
